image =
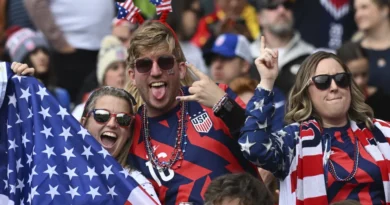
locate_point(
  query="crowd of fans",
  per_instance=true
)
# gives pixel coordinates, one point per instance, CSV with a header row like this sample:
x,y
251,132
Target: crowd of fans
x,y
79,46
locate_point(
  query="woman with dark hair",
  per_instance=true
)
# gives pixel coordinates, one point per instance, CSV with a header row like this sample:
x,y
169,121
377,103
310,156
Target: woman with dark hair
x,y
357,61
29,47
333,149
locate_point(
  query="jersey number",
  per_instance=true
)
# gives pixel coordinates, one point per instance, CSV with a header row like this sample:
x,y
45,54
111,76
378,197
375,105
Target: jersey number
x,y
162,174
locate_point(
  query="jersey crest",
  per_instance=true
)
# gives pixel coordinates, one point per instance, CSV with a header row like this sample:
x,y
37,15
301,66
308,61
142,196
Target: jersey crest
x,y
202,122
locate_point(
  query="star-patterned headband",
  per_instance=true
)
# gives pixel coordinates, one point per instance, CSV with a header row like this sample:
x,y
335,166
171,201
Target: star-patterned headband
x,y
127,10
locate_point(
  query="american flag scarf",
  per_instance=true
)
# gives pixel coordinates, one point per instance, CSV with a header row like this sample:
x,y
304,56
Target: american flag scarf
x,y
306,184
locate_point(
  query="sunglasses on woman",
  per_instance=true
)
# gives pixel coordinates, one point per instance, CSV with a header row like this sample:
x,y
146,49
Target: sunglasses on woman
x,y
102,116
322,82
165,62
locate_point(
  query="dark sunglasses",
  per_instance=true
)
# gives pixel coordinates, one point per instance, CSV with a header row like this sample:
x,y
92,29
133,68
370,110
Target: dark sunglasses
x,y
275,4
322,82
165,62
102,116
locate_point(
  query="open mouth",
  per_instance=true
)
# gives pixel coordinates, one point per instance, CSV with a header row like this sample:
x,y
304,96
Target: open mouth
x,y
108,139
158,89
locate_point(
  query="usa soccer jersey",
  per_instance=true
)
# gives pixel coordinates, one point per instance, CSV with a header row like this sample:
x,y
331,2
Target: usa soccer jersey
x,y
211,152
366,187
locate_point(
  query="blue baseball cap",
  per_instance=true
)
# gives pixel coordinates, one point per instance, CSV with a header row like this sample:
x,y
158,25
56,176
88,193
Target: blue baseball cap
x,y
232,45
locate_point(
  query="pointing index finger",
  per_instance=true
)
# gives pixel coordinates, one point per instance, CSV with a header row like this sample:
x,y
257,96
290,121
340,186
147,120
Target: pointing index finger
x,y
262,44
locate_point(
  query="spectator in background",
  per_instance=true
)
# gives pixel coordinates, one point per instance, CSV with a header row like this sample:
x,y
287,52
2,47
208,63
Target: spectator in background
x,y
75,30
325,23
123,29
233,10
277,24
373,19
245,87
237,189
357,61
184,22
26,46
110,70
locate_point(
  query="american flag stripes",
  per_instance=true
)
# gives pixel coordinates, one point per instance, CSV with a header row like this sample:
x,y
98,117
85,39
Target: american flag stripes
x,y
47,157
165,5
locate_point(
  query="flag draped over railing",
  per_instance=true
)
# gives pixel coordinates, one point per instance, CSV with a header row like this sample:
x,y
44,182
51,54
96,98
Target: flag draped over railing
x,y
47,157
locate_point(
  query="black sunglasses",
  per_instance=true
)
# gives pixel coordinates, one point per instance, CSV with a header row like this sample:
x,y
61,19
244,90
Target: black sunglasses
x,y
275,4
102,116
165,62
322,82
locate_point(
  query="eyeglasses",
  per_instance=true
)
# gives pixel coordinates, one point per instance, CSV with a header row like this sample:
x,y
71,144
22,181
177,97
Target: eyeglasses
x,y
275,4
102,116
322,82
165,62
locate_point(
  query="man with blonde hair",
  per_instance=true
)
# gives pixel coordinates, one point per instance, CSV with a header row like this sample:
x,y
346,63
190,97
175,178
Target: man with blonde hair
x,y
184,137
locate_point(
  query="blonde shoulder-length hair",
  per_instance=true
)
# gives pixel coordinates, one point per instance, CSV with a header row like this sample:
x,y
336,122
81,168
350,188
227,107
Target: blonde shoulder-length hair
x,y
152,36
300,106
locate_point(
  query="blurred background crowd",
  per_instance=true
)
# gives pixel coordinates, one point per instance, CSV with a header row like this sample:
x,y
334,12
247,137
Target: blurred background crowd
x,y
78,46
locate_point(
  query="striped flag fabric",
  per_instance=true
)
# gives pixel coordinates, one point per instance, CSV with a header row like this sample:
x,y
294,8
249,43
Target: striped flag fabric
x,y
47,157
127,10
162,5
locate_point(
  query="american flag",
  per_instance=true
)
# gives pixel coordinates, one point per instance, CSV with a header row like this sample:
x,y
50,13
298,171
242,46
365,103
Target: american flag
x,y
162,5
127,10
47,157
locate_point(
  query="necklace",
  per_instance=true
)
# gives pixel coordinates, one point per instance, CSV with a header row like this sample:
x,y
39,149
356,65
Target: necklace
x,y
355,165
180,141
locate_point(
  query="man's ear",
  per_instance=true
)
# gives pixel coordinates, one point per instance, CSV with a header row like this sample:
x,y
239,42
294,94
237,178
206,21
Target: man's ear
x,y
245,67
182,70
131,74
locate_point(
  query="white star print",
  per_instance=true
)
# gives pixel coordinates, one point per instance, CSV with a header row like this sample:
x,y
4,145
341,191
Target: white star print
x,y
19,120
91,173
71,173
30,177
282,133
247,145
73,191
12,188
62,112
68,154
20,184
66,133
42,92
12,100
30,113
19,164
51,170
104,152
33,193
262,126
46,131
25,94
125,172
49,151
93,192
12,145
268,145
8,126
19,77
9,171
107,171
111,191
258,105
87,152
24,139
45,112
6,184
52,191
29,159
83,132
